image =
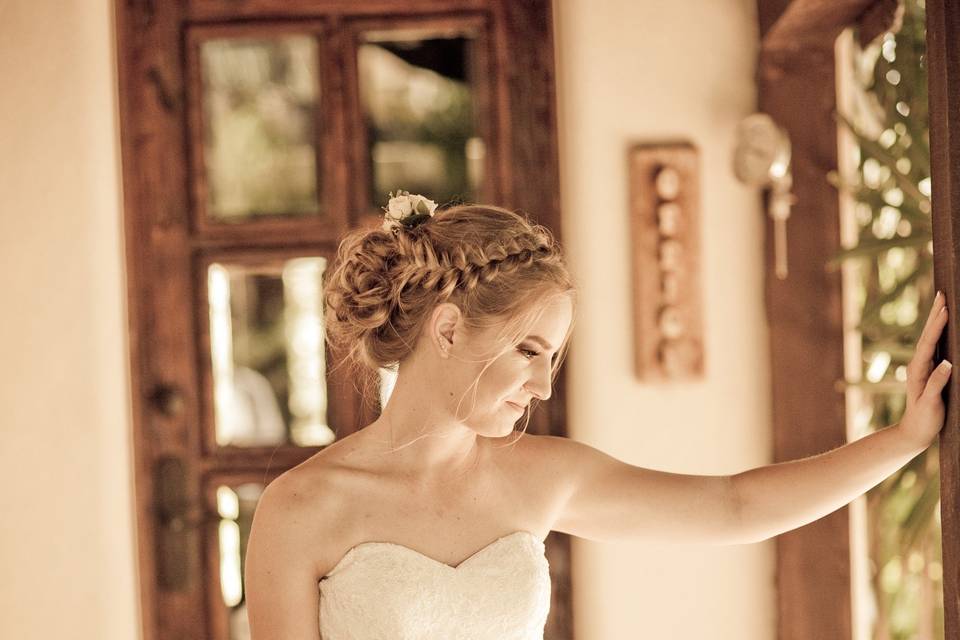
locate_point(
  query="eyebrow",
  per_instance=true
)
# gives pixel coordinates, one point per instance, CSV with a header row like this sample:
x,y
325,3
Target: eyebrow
x,y
542,342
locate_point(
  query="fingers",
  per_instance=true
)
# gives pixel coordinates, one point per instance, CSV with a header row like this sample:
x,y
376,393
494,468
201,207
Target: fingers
x,y
936,321
938,379
939,303
922,362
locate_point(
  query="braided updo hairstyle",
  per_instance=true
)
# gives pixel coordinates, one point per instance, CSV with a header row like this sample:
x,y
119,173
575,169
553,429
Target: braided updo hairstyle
x,y
496,265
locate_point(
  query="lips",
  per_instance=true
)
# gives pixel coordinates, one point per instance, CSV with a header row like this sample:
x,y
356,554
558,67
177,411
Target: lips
x,y
515,406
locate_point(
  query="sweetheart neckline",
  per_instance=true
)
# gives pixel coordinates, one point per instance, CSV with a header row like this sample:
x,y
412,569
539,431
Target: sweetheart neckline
x,y
473,555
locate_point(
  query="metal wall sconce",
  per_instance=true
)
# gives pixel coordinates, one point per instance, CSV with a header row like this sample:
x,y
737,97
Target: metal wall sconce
x,y
762,159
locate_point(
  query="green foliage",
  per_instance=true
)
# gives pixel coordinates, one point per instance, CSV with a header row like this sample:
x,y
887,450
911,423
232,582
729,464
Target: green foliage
x,y
893,257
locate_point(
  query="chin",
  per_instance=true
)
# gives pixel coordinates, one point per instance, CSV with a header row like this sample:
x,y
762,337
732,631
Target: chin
x,y
495,428
508,430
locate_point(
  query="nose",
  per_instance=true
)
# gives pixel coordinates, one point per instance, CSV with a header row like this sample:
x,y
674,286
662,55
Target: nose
x,y
539,384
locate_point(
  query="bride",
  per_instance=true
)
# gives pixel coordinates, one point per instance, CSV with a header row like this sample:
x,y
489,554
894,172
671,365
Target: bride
x,y
429,522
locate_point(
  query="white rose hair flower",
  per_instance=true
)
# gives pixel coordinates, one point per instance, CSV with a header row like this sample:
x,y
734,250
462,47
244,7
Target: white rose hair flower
x,y
408,210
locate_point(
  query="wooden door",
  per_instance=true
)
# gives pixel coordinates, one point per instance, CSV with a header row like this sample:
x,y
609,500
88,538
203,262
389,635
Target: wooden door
x,y
254,134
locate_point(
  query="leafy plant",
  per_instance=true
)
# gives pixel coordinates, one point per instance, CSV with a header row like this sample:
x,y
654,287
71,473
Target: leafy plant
x,y
893,258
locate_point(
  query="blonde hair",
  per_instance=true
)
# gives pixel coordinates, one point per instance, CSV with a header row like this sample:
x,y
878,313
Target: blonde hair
x,y
495,265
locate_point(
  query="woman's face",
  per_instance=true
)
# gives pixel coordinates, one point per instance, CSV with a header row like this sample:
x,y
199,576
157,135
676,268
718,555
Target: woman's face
x,y
513,379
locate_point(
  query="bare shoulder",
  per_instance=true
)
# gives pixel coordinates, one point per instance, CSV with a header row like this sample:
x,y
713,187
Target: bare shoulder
x,y
307,509
545,464
292,540
551,453
299,509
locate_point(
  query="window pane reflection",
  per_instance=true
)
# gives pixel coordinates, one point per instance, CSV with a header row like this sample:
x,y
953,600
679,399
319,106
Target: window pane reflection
x,y
267,353
260,104
235,506
417,96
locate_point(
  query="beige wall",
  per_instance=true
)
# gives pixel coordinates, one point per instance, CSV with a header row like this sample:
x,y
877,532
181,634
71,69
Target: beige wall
x,y
66,542
629,71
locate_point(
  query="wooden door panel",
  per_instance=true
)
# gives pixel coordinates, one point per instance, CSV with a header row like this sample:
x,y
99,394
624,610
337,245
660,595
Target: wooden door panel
x,y
189,269
216,10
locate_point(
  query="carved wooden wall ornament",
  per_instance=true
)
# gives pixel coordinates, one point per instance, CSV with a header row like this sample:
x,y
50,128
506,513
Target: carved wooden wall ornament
x,y
665,229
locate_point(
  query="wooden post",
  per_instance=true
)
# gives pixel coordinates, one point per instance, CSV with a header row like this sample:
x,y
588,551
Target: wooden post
x,y
943,56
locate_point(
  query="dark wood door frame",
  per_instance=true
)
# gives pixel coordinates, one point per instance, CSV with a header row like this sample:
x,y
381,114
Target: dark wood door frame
x,y
796,81
943,54
162,246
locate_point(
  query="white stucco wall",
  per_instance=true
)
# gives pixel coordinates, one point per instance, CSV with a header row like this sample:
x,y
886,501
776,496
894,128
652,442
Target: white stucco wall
x,y
628,72
644,71
66,542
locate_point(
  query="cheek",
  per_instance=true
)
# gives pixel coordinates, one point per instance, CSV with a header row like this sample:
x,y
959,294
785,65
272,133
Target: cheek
x,y
502,380
493,387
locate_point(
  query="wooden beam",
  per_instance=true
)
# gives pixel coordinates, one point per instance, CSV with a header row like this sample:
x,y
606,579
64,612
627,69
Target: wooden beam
x,y
797,88
943,27
811,24
806,347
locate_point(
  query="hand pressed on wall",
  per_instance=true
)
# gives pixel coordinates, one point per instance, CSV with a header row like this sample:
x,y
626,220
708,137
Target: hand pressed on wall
x,y
923,418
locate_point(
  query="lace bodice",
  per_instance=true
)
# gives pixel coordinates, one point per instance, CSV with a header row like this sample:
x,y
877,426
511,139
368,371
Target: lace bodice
x,y
386,591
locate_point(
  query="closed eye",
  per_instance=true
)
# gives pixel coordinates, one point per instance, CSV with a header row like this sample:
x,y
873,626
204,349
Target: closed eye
x,y
530,354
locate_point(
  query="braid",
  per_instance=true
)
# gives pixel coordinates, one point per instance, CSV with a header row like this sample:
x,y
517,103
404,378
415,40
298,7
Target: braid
x,y
464,266
489,261
508,257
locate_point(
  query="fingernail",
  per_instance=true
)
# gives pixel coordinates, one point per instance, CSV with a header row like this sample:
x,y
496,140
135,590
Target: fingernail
x,y
946,364
939,295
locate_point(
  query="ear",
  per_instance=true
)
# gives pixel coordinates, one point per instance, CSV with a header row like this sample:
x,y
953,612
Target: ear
x,y
443,326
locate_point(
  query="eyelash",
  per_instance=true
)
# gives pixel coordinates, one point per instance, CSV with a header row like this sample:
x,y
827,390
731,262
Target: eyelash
x,y
553,361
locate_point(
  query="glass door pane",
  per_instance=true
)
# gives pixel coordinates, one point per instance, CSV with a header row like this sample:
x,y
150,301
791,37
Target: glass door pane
x,y
267,354
259,108
234,501
418,94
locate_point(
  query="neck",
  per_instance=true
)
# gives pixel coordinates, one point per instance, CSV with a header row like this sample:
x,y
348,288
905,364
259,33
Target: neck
x,y
418,437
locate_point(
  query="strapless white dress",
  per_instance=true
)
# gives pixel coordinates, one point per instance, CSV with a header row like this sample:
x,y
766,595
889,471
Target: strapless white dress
x,y
386,591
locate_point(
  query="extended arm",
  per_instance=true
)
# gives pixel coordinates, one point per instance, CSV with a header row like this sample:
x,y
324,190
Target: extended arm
x,y
780,497
603,498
